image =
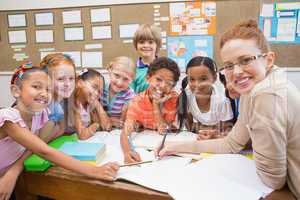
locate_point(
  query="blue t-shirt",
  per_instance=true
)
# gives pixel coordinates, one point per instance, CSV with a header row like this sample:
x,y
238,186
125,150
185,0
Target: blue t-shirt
x,y
56,111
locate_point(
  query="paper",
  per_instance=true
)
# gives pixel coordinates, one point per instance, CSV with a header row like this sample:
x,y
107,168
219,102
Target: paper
x,y
100,15
20,56
17,20
76,57
200,43
164,19
156,6
267,28
17,36
101,32
227,171
127,41
75,33
157,23
21,46
156,14
44,36
177,9
288,6
267,10
156,175
127,30
93,46
286,29
71,17
43,19
151,139
92,59
46,49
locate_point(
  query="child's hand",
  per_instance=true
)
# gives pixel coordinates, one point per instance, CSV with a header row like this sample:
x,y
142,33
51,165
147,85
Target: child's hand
x,y
158,99
132,157
167,150
162,128
7,184
93,127
207,134
106,125
107,171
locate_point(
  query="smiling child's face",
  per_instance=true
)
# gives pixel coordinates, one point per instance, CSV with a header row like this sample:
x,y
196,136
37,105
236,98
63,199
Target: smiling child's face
x,y
161,83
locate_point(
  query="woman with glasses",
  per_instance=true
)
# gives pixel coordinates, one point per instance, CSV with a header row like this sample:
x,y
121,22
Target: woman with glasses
x,y
269,110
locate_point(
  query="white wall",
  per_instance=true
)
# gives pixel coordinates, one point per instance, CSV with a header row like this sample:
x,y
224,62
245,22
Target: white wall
x,y
41,4
6,99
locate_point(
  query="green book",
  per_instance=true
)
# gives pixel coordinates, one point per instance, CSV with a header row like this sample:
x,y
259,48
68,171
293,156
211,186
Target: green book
x,y
37,164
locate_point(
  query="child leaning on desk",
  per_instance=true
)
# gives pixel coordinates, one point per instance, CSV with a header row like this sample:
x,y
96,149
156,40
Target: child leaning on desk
x,y
206,110
117,94
154,108
269,110
22,124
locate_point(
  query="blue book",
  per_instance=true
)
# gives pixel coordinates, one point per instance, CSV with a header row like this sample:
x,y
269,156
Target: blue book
x,y
84,150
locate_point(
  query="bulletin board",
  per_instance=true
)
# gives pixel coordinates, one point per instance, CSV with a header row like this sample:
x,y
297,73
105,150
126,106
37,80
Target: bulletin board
x,y
228,13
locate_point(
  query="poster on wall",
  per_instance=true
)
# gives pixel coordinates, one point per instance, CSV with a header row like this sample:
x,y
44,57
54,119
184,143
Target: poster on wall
x,y
193,18
280,22
183,48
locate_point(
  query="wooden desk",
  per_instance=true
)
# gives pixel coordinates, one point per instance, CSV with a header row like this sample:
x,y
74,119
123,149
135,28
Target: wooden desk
x,y
62,184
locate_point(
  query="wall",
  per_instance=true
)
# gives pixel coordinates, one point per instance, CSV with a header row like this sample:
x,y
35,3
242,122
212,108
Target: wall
x,y
41,4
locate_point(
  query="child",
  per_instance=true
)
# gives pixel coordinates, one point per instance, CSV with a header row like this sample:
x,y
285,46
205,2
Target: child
x,y
117,94
20,127
269,109
233,96
88,112
147,42
154,108
207,112
61,69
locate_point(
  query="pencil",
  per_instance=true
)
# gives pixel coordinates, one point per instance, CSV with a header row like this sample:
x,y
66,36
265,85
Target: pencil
x,y
136,163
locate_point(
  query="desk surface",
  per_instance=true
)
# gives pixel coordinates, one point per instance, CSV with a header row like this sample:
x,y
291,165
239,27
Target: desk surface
x,y
62,184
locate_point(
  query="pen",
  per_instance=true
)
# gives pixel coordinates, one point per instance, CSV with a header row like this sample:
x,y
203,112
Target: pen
x,y
163,141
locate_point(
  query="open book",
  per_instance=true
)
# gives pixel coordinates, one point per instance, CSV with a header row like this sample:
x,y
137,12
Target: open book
x,y
219,177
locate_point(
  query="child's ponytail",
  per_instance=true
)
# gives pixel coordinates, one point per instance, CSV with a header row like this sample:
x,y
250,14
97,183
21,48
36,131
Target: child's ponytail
x,y
182,104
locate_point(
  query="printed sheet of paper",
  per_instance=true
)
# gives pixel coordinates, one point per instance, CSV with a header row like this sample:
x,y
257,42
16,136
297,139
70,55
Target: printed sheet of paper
x,y
92,59
71,17
286,29
43,19
267,10
100,15
127,30
101,32
74,33
44,36
17,20
17,36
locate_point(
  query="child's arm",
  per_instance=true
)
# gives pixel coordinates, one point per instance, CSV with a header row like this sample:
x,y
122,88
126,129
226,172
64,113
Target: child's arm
x,y
130,155
9,179
104,120
82,131
48,131
24,137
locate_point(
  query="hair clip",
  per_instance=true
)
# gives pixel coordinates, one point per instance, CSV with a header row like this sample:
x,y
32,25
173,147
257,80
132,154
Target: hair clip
x,y
83,71
19,71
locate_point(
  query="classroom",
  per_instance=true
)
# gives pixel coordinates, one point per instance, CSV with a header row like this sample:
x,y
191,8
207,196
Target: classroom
x,y
150,99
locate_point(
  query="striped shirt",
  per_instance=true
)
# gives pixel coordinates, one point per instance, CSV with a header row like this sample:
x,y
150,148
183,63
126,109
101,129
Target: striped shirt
x,y
114,106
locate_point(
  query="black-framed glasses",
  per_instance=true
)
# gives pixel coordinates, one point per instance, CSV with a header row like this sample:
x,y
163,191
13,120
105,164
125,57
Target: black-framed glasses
x,y
243,61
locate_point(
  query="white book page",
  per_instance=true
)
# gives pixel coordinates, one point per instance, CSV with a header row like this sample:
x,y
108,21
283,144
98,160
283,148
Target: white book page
x,y
215,177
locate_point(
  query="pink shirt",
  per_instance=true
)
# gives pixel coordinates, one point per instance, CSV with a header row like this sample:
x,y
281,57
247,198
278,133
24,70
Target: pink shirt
x,y
10,151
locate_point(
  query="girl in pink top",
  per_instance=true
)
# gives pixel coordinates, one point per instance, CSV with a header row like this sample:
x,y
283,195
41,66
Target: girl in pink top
x,y
30,87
